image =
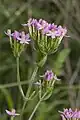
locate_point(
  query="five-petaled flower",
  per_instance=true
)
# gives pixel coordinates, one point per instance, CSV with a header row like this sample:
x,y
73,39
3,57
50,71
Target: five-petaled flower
x,y
12,112
24,38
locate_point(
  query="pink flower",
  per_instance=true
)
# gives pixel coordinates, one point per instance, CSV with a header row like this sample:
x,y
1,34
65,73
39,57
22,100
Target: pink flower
x,y
49,75
24,38
70,114
12,112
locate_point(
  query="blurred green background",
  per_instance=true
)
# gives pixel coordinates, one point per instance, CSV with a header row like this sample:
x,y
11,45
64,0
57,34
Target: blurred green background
x,y
65,62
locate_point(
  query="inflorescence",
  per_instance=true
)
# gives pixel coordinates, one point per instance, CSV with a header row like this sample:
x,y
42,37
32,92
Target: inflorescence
x,y
19,36
18,41
46,28
69,114
48,36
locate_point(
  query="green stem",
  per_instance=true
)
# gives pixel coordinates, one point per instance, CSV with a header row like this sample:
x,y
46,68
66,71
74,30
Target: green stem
x,y
25,102
30,118
12,118
11,41
18,78
14,84
32,80
29,89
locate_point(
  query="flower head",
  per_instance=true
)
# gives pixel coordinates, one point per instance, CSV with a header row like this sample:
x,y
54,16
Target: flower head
x,y
48,36
12,112
48,75
19,36
18,41
70,114
24,38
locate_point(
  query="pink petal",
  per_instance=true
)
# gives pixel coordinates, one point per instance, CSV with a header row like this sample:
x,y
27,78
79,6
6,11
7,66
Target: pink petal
x,y
17,114
8,112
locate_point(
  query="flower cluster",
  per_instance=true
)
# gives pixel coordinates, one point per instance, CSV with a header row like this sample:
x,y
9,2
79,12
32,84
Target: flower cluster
x,y
69,114
46,84
48,36
49,75
19,36
46,28
17,41
49,78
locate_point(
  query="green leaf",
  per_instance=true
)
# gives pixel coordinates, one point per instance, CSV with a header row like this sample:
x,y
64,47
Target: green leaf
x,y
58,63
8,98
